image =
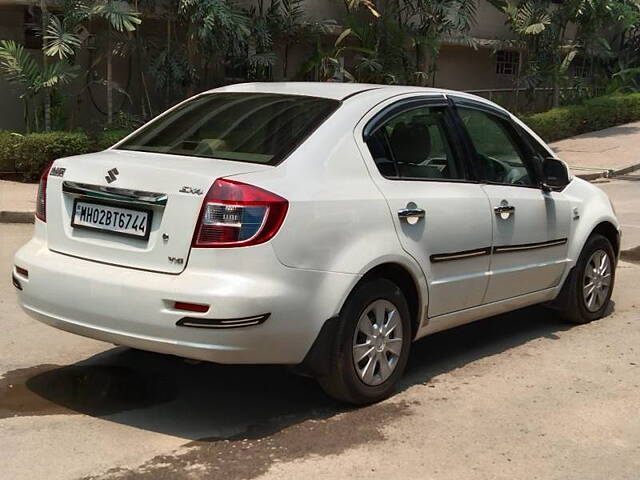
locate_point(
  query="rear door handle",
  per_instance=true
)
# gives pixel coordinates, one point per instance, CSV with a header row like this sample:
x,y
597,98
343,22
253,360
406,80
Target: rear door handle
x,y
504,210
411,214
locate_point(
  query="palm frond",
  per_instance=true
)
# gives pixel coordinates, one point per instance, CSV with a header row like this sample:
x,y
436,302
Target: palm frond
x,y
120,15
58,73
18,66
58,42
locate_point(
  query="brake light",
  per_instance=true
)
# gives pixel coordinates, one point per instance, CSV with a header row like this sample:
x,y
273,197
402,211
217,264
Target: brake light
x,y
41,199
236,214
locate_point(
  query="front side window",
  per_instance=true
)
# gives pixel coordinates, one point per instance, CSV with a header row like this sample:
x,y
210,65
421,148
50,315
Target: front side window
x,y
498,158
415,145
247,127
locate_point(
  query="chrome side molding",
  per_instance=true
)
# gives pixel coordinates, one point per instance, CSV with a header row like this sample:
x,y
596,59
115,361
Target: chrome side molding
x,y
116,194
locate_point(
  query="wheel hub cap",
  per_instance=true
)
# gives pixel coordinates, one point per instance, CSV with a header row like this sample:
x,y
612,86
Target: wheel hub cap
x,y
377,342
596,281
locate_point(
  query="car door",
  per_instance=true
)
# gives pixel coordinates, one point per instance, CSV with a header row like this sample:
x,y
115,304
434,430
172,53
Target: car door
x,y
441,217
530,226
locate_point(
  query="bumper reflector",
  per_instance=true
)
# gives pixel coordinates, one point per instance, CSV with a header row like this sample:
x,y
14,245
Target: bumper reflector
x,y
191,307
22,271
222,323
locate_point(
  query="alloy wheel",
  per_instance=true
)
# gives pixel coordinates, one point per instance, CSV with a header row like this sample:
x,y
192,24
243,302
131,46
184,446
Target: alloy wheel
x,y
596,280
377,342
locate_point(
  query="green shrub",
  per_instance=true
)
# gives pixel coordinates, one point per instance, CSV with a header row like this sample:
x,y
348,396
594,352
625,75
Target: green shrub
x,y
594,114
36,150
8,144
108,138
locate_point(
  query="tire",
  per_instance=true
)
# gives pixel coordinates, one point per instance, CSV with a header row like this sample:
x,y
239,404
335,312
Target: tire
x,y
576,305
369,380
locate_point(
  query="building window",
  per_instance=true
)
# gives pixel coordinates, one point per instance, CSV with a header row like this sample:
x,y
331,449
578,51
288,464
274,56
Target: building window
x,y
507,62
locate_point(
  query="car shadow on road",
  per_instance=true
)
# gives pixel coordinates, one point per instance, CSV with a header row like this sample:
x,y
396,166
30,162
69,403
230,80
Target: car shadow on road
x,y
201,400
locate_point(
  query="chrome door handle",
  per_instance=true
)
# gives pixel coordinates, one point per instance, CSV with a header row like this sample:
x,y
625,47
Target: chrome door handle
x,y
411,213
504,210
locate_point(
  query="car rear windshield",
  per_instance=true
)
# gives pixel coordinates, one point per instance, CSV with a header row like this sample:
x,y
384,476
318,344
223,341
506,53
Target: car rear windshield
x,y
246,127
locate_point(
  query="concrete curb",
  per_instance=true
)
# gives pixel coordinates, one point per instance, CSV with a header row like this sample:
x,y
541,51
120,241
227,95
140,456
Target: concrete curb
x,y
17,217
608,173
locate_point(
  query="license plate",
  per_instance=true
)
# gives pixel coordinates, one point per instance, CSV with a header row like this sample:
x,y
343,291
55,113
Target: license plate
x,y
104,217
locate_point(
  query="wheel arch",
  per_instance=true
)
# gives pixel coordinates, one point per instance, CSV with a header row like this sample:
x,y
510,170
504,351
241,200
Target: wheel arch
x,y
610,232
411,282
408,284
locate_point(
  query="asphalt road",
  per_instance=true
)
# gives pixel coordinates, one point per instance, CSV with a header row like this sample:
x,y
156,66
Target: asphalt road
x,y
515,396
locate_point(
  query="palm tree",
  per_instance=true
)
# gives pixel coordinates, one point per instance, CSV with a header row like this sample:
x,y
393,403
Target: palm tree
x,y
121,17
20,68
527,20
432,21
214,26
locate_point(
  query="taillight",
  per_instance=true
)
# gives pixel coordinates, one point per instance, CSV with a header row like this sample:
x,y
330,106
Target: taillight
x,y
237,214
41,200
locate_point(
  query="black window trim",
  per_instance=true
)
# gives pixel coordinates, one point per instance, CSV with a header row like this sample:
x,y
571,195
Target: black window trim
x,y
514,132
452,133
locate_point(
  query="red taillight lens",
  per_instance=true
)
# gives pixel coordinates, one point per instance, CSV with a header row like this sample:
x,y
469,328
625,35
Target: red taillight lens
x,y
237,214
41,199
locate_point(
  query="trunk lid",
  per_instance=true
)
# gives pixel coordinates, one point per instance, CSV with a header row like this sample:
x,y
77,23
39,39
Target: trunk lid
x,y
171,187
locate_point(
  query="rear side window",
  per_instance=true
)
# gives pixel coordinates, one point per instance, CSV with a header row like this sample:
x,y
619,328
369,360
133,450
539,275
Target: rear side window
x,y
247,127
415,145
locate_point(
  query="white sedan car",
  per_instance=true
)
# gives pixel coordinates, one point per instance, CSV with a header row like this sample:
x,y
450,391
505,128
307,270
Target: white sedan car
x,y
325,226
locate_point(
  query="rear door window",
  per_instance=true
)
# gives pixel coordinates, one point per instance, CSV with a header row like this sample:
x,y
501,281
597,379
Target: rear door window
x,y
247,127
415,145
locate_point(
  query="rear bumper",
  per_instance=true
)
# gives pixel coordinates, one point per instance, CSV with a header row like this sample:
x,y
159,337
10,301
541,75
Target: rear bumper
x,y
135,308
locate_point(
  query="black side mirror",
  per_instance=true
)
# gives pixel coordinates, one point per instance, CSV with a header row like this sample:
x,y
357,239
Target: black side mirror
x,y
555,175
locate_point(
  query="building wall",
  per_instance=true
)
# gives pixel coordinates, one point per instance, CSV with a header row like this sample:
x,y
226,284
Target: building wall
x,y
464,68
11,19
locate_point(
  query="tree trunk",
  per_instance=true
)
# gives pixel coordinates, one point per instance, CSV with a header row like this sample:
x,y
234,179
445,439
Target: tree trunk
x,y
285,61
47,90
556,92
167,87
518,74
25,115
109,79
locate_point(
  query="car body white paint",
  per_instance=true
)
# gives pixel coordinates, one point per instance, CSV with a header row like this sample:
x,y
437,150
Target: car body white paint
x,y
341,223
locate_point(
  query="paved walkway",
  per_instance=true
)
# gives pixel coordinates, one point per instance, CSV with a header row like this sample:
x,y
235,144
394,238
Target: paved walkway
x,y
17,201
593,154
610,152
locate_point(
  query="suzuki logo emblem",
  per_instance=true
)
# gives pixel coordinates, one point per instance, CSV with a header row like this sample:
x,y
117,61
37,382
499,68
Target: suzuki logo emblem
x,y
112,175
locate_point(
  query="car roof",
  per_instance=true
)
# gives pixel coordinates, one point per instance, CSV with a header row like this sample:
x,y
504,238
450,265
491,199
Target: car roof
x,y
333,90
342,91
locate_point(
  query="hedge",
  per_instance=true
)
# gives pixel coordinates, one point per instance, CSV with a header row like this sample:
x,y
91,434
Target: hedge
x,y
35,150
108,138
29,154
588,116
8,142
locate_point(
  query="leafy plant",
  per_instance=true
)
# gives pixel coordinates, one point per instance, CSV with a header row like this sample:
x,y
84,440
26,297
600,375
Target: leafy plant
x,y
20,68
